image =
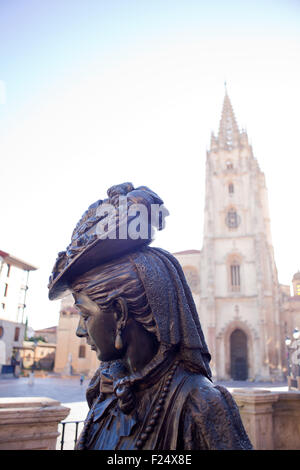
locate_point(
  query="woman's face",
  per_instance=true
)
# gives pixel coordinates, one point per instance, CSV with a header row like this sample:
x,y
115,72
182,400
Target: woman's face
x,y
98,326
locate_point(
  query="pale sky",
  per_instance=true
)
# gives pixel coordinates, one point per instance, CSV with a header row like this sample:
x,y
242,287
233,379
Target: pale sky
x,y
98,92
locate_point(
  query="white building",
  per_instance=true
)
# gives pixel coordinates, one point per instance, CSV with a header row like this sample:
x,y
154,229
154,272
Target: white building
x,y
14,275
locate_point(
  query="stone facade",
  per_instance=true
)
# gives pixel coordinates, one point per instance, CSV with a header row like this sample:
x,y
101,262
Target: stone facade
x,y
73,355
245,313
30,423
49,334
39,355
271,419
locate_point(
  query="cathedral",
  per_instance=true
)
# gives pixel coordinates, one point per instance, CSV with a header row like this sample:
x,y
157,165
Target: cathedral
x,y
244,312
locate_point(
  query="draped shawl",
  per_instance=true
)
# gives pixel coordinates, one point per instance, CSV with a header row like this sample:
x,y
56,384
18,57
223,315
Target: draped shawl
x,y
172,306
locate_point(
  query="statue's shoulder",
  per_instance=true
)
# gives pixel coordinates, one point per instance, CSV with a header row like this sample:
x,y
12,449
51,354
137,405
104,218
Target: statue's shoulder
x,y
210,417
203,393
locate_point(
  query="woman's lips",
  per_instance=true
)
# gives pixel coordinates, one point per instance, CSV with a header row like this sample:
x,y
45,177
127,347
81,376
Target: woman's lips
x,y
92,346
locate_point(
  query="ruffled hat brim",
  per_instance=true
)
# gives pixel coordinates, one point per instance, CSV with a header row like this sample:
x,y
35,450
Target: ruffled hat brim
x,y
88,250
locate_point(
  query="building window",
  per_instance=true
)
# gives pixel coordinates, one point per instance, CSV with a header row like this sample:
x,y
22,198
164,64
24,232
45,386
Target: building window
x,y
229,165
81,352
3,306
232,219
297,289
17,333
5,290
1,331
235,277
8,270
230,188
192,278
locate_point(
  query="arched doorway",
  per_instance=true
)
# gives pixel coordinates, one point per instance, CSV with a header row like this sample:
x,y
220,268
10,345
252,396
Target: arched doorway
x,y
238,355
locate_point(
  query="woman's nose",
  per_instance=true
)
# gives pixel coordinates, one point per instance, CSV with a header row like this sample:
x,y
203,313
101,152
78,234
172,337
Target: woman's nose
x,y
81,330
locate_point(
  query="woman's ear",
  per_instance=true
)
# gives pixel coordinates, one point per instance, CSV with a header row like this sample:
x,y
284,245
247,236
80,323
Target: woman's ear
x,y
120,312
121,317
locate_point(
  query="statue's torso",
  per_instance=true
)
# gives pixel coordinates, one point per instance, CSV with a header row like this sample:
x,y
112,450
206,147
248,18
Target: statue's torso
x,y
193,414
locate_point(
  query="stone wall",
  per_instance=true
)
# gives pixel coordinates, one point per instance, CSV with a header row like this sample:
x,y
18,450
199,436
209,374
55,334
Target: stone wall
x,y
30,423
271,419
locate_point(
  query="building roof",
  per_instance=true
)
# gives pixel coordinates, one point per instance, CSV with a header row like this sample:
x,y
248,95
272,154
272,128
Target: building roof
x,y
51,329
12,260
229,133
187,252
296,276
32,344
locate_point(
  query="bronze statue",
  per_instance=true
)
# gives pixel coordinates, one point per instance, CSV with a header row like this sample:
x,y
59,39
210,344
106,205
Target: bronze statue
x,y
153,389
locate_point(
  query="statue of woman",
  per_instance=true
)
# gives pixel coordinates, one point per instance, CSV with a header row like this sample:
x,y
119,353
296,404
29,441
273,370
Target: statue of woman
x,y
153,389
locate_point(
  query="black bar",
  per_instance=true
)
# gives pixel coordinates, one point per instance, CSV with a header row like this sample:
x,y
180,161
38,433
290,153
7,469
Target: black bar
x,y
63,423
76,431
62,436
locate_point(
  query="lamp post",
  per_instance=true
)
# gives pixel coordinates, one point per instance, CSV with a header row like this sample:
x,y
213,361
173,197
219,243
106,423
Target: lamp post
x,y
288,343
296,344
293,356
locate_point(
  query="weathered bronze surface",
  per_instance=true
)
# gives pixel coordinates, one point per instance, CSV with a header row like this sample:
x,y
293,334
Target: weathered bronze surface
x,y
153,389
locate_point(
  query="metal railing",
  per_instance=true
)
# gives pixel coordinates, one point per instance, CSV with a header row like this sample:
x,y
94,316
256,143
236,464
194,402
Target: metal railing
x,y
63,432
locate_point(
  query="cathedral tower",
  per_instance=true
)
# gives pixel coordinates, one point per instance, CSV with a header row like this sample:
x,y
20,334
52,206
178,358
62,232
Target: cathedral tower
x,y
239,300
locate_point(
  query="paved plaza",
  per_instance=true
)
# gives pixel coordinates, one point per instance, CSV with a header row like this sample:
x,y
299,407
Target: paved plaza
x,y
71,394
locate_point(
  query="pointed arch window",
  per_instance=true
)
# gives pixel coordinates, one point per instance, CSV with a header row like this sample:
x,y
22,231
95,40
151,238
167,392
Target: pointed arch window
x,y
235,276
234,263
231,188
229,165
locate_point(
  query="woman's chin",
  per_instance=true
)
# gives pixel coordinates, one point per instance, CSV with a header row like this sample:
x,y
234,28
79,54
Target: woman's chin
x,y
108,357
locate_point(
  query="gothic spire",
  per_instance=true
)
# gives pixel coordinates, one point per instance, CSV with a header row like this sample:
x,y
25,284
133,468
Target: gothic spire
x,y
229,134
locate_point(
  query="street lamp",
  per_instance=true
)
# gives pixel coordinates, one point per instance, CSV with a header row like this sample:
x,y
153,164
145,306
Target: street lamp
x,y
296,333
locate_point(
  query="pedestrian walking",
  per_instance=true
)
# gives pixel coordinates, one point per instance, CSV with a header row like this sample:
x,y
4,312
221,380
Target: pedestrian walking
x,y
31,378
81,379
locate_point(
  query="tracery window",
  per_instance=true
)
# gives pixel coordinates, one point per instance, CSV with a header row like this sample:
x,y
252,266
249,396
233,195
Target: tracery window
x,y
232,219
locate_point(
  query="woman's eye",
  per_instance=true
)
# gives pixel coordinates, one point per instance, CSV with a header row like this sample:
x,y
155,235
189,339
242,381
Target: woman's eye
x,y
84,316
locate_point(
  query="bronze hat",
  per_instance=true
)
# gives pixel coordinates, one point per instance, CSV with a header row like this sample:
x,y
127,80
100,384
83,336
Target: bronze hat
x,y
90,247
